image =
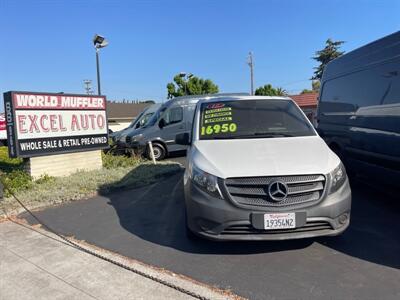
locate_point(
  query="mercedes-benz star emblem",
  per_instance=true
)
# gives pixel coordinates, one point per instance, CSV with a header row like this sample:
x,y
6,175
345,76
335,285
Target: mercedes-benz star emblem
x,y
278,190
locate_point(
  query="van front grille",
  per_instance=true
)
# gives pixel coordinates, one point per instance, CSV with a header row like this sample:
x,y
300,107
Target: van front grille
x,y
253,191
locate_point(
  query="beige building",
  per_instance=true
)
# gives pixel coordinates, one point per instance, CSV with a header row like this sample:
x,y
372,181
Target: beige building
x,y
121,114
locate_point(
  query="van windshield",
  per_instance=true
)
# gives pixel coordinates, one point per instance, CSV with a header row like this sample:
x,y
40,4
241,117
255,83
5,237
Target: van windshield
x,y
134,121
154,117
252,119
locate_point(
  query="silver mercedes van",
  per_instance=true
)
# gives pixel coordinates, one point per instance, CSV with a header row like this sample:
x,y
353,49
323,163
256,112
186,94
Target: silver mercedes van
x,y
258,170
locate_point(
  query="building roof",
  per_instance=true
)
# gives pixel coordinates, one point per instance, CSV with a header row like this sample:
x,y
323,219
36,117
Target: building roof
x,y
120,110
306,100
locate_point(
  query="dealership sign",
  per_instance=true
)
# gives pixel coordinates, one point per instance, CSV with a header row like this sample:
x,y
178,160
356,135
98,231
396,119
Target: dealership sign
x,y
42,124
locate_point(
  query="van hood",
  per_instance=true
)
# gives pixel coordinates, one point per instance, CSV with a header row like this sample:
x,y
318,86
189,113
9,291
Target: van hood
x,y
264,157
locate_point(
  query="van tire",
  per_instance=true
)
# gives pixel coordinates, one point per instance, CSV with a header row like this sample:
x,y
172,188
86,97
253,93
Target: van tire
x,y
158,150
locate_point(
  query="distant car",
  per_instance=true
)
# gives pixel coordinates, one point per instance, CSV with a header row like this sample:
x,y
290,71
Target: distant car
x,y
3,132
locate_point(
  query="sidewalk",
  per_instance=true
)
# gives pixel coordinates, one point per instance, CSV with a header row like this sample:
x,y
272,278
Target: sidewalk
x,y
36,266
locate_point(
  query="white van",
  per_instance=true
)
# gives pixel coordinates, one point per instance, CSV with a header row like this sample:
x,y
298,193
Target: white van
x,y
173,117
257,169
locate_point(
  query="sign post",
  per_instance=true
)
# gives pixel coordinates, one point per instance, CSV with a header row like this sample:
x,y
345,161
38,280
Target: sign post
x,y
46,124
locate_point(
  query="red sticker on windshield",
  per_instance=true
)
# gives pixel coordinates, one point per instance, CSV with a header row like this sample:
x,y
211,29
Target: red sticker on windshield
x,y
215,105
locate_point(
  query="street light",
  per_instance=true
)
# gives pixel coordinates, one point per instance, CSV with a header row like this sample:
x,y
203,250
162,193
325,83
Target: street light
x,y
99,42
186,76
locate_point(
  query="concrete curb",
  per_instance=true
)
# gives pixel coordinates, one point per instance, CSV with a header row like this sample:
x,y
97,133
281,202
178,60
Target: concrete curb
x,y
165,275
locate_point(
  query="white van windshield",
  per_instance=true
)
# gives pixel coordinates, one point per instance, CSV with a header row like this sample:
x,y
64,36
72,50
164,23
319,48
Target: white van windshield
x,y
252,119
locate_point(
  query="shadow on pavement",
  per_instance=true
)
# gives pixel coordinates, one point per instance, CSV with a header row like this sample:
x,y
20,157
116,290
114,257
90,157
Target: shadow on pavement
x,y
156,214
374,232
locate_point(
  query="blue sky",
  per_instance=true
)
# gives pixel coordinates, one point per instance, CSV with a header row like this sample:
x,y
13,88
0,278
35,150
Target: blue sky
x,y
47,44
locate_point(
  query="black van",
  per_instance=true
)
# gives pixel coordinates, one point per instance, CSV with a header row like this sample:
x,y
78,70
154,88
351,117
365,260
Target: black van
x,y
359,109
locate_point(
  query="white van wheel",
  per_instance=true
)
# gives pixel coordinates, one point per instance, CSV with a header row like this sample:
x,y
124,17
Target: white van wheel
x,y
158,150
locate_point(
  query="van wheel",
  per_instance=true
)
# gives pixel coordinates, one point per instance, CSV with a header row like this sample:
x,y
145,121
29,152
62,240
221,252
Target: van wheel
x,y
158,150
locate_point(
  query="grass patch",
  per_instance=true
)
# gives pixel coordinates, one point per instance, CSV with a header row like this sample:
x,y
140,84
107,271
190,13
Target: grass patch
x,y
8,164
119,172
141,175
119,161
14,174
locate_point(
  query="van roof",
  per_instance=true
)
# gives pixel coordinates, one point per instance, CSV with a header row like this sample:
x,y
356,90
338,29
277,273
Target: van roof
x,y
191,97
230,98
378,51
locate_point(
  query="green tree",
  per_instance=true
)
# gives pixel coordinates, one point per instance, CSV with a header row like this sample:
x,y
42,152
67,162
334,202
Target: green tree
x,y
193,86
315,84
307,91
324,56
268,90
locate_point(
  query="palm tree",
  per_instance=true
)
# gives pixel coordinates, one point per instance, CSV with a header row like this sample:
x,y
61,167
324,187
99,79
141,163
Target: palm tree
x,y
281,91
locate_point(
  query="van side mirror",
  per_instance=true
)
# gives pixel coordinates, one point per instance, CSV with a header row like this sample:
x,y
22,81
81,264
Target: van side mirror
x,y
183,139
161,123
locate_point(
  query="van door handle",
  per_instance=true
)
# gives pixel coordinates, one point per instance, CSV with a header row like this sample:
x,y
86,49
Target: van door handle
x,y
353,117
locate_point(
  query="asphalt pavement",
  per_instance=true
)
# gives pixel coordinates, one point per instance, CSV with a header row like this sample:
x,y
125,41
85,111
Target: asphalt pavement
x,y
148,224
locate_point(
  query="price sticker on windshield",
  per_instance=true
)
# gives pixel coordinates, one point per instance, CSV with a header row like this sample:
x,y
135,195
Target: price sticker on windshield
x,y
217,118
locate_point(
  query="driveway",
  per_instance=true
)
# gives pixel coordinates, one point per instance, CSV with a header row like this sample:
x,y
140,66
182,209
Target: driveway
x,y
148,224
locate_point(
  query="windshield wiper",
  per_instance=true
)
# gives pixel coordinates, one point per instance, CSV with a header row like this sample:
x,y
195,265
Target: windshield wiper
x,y
229,137
252,136
272,134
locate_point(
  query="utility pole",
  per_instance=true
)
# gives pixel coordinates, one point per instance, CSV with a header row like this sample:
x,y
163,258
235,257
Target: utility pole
x,y
251,65
88,86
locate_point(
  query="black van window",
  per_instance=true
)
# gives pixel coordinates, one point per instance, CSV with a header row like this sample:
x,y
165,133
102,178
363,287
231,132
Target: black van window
x,y
375,86
173,115
392,75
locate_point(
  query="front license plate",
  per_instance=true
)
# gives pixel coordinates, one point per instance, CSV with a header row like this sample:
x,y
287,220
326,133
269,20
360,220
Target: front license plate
x,y
280,221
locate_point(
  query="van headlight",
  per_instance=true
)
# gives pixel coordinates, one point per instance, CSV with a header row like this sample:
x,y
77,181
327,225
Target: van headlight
x,y
205,181
338,177
137,138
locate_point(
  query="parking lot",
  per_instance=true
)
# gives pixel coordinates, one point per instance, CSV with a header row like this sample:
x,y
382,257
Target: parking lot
x,y
148,224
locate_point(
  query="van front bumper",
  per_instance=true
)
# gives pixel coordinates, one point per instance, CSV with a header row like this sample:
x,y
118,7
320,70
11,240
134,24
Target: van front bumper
x,y
221,219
